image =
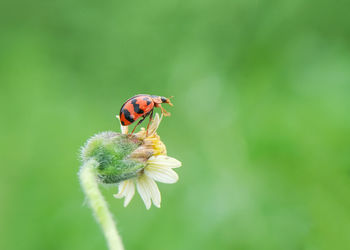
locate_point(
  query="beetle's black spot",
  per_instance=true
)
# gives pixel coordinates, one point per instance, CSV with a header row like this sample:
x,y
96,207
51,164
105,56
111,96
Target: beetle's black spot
x,y
123,123
128,115
148,100
136,107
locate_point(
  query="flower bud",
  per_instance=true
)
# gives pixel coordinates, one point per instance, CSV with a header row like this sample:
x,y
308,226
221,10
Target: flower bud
x,y
132,159
119,156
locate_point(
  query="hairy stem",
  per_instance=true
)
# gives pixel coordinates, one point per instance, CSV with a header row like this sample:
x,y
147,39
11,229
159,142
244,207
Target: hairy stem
x,y
98,204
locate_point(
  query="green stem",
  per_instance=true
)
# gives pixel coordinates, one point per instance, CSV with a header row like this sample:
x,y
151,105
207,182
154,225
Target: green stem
x,y
98,204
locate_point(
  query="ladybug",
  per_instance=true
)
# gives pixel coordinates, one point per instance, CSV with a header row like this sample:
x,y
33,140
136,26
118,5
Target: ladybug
x,y
141,106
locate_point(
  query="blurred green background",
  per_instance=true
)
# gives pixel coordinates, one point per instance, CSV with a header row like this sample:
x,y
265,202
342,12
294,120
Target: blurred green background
x,y
261,120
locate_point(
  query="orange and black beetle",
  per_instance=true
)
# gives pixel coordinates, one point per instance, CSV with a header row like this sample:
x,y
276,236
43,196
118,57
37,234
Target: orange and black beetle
x,y
141,106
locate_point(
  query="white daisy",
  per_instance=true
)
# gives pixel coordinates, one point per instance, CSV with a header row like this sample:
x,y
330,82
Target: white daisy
x,y
159,167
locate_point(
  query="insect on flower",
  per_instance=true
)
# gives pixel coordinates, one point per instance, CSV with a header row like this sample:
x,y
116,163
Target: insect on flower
x,y
141,106
157,167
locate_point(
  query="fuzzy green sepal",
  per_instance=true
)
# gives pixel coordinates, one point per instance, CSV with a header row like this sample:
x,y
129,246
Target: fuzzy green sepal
x,y
112,150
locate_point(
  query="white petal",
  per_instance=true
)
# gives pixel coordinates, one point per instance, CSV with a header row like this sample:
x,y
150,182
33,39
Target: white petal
x,y
149,191
123,129
142,188
164,160
155,194
161,174
129,192
154,125
121,190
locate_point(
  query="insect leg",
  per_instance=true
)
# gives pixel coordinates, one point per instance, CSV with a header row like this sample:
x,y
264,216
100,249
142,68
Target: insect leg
x,y
140,121
164,112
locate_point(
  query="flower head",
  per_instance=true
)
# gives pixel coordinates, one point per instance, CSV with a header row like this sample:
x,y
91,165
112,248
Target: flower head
x,y
128,160
158,167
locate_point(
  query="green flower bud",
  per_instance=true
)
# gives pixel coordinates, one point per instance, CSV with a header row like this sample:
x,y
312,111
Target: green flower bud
x,y
119,156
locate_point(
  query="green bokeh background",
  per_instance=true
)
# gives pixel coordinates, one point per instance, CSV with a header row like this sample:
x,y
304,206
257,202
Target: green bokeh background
x,y
261,120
